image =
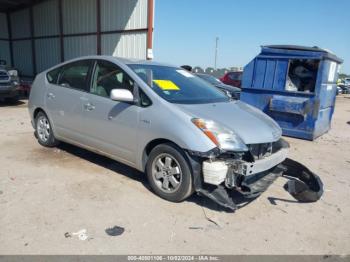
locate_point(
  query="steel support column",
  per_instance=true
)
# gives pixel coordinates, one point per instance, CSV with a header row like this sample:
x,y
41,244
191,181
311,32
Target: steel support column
x,y
150,16
9,29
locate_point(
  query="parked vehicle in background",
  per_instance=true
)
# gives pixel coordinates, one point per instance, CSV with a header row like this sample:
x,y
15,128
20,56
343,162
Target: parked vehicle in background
x,y
9,82
339,90
345,89
233,79
347,82
231,91
343,86
184,133
25,86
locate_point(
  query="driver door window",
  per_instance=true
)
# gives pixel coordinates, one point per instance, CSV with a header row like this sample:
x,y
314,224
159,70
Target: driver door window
x,y
108,76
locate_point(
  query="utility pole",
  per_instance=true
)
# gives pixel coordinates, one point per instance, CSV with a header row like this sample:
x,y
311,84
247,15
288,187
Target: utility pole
x,y
216,52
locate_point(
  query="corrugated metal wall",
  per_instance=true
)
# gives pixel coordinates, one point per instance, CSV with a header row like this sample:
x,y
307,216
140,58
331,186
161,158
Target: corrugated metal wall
x,y
79,17
5,51
121,14
3,26
20,24
128,45
47,53
22,49
79,46
46,18
46,23
22,56
4,44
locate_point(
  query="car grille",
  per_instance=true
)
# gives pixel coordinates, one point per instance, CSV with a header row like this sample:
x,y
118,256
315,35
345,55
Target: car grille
x,y
4,76
260,151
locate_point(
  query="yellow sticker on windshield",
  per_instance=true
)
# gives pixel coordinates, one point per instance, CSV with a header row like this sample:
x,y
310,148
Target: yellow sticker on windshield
x,y
166,85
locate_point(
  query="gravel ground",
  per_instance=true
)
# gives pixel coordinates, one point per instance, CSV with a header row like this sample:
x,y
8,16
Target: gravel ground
x,y
46,195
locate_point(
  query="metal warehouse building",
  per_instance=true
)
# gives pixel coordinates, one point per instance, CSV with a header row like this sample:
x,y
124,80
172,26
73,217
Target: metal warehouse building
x,y
35,35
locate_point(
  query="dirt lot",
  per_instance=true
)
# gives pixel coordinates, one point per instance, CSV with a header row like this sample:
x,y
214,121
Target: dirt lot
x,y
45,193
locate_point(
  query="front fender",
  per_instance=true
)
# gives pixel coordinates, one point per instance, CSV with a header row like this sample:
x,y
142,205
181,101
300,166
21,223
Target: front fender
x,y
165,122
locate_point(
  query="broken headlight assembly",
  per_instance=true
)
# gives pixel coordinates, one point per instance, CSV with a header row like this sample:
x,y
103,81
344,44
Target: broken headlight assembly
x,y
222,137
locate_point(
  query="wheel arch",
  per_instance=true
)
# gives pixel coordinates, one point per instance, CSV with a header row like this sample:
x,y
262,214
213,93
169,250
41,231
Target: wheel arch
x,y
151,145
36,112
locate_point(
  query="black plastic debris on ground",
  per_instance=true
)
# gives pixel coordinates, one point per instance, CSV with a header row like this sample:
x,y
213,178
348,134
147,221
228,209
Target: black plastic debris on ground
x,y
114,231
307,186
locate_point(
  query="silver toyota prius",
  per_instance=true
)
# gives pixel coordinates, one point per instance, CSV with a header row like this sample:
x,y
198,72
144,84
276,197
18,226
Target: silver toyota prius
x,y
182,132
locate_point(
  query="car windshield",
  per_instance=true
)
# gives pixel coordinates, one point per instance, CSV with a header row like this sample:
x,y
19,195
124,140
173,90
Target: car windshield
x,y
211,79
178,86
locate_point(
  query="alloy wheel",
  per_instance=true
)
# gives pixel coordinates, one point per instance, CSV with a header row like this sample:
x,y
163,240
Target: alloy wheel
x,y
166,172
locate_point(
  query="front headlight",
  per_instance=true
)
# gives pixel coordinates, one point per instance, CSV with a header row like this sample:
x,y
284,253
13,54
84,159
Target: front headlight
x,y
222,137
13,73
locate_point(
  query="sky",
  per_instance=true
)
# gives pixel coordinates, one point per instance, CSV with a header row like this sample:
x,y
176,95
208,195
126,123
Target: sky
x,y
185,30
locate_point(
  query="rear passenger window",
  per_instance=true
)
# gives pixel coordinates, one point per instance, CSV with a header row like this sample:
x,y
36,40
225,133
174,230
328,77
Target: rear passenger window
x,y
75,75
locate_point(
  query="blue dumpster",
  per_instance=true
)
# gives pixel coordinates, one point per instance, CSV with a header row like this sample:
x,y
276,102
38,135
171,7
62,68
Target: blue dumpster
x,y
294,85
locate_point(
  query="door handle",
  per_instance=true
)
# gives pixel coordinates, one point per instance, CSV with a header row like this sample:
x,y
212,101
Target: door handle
x,y
50,96
89,107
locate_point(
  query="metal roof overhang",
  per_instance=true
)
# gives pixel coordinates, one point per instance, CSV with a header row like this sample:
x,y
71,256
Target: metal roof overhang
x,y
13,5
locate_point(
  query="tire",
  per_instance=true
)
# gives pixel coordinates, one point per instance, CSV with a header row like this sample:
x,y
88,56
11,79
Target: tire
x,y
160,176
44,132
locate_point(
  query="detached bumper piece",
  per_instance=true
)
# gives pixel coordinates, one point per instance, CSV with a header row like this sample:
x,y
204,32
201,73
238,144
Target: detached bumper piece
x,y
308,187
219,179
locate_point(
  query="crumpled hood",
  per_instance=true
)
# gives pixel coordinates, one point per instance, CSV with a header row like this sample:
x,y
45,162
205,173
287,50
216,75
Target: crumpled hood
x,y
250,124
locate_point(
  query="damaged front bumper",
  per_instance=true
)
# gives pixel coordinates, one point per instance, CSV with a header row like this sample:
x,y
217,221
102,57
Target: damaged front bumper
x,y
245,172
216,172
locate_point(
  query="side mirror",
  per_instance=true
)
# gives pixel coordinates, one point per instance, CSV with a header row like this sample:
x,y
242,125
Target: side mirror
x,y
122,95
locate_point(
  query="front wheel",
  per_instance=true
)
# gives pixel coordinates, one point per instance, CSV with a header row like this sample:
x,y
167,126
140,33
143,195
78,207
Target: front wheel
x,y
169,173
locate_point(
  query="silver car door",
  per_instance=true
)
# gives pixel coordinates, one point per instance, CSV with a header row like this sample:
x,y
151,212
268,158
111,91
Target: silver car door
x,y
64,99
110,126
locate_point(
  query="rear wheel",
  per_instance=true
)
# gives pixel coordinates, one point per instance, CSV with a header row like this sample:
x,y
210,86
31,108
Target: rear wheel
x,y
169,173
44,132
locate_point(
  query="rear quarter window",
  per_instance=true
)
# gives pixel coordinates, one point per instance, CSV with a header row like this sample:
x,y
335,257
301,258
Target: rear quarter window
x,y
52,76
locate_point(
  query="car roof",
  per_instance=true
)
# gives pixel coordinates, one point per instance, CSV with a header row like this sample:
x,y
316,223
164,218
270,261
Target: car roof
x,y
127,61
